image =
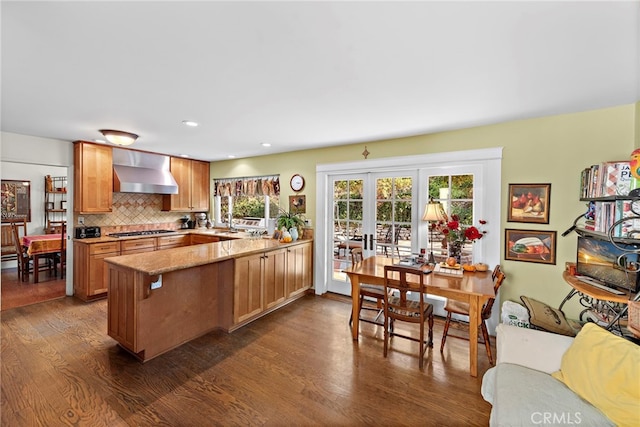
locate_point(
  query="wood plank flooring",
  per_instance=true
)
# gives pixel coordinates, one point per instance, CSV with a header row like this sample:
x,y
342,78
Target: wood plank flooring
x,y
296,366
16,293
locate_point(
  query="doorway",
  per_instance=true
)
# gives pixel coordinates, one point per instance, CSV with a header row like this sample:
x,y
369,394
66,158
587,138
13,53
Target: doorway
x,y
13,292
372,211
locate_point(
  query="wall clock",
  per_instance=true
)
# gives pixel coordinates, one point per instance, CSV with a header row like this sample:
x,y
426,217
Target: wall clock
x,y
297,182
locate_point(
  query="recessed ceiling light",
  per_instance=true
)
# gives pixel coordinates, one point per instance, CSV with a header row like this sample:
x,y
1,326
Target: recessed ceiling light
x,y
266,144
189,123
231,156
101,141
184,155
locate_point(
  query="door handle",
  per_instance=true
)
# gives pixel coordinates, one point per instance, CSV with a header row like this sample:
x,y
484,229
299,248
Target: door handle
x,y
364,240
371,239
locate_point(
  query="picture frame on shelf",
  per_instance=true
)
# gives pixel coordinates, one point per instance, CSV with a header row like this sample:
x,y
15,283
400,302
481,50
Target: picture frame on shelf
x,y
529,203
537,246
63,205
49,206
16,200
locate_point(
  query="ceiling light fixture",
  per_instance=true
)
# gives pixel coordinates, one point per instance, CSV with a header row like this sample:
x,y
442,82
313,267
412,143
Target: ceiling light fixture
x,y
266,144
189,123
119,137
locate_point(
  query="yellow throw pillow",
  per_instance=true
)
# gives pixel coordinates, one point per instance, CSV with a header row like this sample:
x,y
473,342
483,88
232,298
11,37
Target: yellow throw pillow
x,y
604,369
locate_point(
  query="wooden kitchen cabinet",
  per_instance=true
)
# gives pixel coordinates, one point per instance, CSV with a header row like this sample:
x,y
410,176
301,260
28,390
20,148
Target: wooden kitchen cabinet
x,y
138,246
89,273
274,274
93,178
259,284
173,241
192,177
198,239
247,288
299,269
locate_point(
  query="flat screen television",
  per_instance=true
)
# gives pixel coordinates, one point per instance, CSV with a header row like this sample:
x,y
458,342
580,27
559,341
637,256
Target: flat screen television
x,y
612,265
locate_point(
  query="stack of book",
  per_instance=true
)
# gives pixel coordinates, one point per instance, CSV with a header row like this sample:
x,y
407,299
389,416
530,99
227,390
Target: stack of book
x,y
607,213
606,179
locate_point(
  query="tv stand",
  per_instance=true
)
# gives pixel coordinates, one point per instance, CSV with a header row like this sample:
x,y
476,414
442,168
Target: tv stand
x,y
609,307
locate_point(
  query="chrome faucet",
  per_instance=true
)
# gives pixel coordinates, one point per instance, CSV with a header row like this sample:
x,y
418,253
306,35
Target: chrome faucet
x,y
230,221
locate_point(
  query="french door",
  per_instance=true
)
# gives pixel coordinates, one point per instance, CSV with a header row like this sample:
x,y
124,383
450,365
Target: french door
x,y
372,211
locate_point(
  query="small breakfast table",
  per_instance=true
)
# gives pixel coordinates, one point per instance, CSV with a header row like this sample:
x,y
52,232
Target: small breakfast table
x,y
474,288
41,244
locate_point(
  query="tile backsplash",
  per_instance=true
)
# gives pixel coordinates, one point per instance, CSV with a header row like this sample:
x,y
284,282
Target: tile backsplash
x,y
134,211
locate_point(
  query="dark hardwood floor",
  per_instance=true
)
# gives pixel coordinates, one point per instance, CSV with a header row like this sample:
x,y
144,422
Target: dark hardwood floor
x,y
296,366
16,293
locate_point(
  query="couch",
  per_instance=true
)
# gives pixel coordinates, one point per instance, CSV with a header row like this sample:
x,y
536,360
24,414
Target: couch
x,y
541,378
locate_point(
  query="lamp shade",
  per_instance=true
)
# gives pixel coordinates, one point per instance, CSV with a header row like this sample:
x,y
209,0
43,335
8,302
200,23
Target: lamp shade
x,y
434,212
119,137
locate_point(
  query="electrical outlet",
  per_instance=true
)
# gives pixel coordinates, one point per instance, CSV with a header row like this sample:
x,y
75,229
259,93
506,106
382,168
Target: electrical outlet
x,y
81,220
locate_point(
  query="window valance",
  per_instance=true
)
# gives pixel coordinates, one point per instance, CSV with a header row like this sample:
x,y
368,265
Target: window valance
x,y
268,185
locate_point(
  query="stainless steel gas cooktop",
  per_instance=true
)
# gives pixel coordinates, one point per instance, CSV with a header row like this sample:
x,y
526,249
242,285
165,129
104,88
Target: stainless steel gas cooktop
x,y
141,233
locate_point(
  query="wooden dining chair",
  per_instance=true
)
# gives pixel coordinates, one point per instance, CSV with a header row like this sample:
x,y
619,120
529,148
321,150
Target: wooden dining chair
x,y
20,253
54,227
8,246
462,308
398,307
366,290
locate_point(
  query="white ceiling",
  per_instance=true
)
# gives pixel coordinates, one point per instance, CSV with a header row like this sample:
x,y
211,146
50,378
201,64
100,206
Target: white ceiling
x,y
306,74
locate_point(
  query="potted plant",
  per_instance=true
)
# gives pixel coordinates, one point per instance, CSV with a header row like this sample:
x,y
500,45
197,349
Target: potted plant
x,y
289,221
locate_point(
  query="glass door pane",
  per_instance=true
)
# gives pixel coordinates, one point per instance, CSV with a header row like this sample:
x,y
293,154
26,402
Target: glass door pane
x,y
348,198
372,211
394,222
455,193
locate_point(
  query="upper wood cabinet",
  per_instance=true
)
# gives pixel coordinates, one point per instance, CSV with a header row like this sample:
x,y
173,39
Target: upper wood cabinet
x,y
192,177
93,178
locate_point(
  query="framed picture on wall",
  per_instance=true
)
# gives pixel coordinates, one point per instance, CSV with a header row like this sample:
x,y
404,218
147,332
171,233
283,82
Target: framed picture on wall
x,y
530,246
529,203
16,200
298,204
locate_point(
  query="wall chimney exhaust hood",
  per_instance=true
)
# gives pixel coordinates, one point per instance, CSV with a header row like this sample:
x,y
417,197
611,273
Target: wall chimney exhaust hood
x,y
139,172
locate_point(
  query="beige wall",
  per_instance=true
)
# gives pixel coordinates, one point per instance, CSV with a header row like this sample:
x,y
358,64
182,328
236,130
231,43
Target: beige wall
x,y
544,150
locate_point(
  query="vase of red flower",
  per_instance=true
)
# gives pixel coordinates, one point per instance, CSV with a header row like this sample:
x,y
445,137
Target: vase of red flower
x,y
455,235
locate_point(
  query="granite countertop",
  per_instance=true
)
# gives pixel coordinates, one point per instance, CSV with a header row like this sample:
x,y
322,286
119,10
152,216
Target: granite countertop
x,y
167,260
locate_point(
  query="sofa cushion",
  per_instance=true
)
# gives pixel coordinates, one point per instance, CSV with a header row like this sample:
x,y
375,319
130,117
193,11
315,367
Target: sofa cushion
x,y
523,346
547,318
524,397
604,369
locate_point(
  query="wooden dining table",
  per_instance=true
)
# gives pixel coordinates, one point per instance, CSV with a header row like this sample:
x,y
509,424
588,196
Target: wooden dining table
x,y
474,288
41,244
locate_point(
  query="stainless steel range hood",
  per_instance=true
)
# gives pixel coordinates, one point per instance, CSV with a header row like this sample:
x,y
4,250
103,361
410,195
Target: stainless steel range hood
x,y
138,172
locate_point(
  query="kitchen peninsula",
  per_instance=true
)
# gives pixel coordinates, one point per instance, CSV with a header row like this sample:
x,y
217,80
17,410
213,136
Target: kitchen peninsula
x,y
160,300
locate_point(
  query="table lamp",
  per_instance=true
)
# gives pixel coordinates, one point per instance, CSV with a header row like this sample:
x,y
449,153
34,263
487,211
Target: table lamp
x,y
433,212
